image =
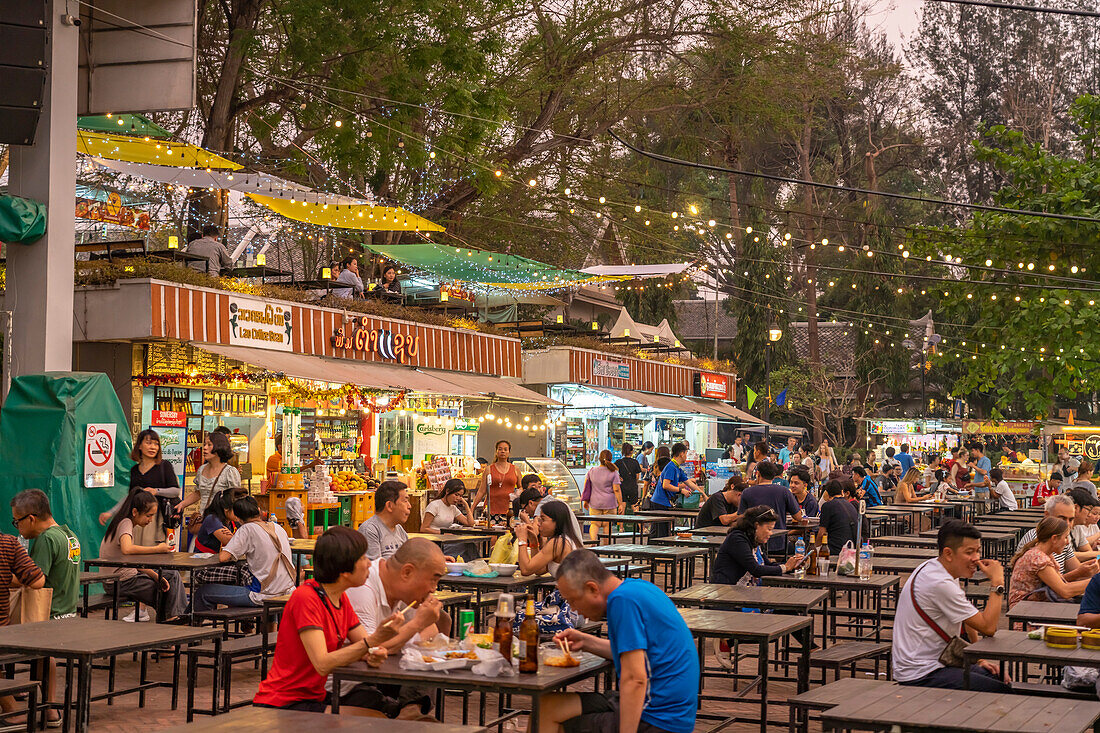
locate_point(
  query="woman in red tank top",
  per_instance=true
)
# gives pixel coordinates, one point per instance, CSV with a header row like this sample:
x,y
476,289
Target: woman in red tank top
x,y
499,481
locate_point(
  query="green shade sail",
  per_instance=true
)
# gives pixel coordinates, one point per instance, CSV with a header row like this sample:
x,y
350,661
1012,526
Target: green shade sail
x,y
125,124
486,269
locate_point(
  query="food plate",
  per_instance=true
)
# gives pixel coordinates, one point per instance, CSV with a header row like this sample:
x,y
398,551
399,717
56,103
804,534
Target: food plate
x,y
504,568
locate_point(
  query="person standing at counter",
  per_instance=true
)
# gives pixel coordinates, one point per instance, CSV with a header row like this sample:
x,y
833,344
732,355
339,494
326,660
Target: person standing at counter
x,y
275,463
602,493
497,483
629,470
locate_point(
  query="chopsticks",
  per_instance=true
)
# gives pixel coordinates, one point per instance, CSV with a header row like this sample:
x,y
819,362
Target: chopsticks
x,y
407,608
564,644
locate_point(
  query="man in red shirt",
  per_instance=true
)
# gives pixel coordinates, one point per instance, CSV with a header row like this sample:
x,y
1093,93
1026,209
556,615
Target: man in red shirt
x,y
1046,489
320,630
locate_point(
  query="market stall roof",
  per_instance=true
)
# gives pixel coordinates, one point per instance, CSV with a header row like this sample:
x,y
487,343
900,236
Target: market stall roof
x,y
486,269
380,376
658,401
729,411
638,271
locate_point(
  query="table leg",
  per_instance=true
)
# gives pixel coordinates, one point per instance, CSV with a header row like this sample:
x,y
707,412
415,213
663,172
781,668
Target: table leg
x,y
762,670
966,675
66,714
701,643
807,637
84,694
535,710
336,680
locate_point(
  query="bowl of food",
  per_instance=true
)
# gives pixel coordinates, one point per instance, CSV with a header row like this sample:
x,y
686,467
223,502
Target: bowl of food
x,y
504,568
482,641
1060,637
456,568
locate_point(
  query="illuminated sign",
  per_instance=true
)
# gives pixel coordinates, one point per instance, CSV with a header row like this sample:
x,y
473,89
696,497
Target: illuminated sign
x,y
894,427
355,336
715,386
233,403
255,323
112,211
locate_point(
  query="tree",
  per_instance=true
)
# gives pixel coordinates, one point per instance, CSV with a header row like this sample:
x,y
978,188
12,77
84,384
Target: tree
x,y
817,391
1034,322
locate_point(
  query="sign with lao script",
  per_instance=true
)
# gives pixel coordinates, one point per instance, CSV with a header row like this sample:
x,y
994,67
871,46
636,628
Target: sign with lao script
x,y
258,324
610,369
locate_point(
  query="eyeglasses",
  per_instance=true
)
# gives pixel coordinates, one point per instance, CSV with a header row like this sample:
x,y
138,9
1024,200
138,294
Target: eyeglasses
x,y
15,522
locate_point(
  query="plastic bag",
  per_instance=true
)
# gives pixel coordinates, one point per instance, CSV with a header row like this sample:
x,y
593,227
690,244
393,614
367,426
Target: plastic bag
x,y
846,563
504,551
1080,678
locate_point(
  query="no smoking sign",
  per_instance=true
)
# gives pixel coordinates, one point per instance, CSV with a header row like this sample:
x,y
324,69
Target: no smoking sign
x,y
99,455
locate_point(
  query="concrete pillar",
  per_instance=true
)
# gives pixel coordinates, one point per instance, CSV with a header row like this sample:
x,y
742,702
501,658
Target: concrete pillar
x,y
39,286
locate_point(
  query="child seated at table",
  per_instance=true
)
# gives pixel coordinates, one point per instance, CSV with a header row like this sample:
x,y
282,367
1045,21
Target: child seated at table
x,y
138,510
320,631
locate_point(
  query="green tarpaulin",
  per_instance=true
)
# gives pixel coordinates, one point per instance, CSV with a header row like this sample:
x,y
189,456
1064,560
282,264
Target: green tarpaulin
x,y
125,124
21,220
485,269
42,430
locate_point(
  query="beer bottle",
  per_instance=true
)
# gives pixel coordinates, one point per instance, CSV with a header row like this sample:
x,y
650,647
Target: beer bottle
x,y
811,560
529,641
502,632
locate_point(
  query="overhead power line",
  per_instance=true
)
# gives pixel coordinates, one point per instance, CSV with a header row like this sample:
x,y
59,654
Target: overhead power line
x,y
1028,8
851,189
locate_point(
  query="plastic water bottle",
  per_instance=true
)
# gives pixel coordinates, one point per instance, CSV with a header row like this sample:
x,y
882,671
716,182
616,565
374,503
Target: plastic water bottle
x,y
865,554
800,549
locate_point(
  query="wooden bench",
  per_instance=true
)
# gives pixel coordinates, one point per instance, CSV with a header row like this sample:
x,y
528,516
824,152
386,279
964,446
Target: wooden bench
x,y
826,697
236,615
233,651
1043,690
848,654
28,687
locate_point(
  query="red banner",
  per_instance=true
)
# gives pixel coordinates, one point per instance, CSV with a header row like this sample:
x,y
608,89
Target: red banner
x,y
112,211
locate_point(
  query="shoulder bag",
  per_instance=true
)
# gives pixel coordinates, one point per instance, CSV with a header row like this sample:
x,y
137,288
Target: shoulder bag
x,y
951,656
280,559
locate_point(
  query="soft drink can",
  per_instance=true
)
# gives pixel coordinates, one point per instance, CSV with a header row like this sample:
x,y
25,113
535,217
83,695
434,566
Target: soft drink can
x,y
465,623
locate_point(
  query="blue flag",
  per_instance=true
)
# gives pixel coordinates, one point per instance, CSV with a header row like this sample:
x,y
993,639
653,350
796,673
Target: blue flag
x,y
781,398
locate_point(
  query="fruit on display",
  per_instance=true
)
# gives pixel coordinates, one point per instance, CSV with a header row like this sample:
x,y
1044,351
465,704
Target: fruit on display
x,y
351,481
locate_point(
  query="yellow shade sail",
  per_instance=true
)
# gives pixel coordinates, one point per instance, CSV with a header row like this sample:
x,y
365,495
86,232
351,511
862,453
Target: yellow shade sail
x,y
348,216
149,150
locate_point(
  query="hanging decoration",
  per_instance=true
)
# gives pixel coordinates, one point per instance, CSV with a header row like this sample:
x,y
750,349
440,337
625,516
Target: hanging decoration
x,y
362,216
149,150
361,398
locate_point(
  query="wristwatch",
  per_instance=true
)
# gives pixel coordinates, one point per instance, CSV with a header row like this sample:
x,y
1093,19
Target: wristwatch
x,y
999,590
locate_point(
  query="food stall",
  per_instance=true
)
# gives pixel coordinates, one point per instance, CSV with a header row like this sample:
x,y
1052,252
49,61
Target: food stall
x,y
555,476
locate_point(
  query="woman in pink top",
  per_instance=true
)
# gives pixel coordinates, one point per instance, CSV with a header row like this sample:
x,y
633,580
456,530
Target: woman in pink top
x,y
602,490
1035,573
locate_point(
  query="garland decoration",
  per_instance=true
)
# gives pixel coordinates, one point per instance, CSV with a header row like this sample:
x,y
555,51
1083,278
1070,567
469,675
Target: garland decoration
x,y
360,398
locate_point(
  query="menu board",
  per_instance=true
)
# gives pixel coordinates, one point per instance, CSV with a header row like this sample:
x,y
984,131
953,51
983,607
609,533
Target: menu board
x,y
438,472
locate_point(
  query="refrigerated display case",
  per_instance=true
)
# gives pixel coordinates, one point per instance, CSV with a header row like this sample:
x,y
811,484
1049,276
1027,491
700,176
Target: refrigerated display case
x,y
555,476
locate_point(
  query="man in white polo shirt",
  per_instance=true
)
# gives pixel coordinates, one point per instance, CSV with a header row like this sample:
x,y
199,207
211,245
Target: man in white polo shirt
x,y
933,608
409,576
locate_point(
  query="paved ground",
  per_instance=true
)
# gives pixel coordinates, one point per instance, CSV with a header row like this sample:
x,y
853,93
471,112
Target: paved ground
x,y
126,717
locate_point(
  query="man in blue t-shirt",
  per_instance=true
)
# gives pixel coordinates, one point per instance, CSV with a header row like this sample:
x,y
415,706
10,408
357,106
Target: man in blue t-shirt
x,y
775,496
866,486
981,466
905,459
674,480
653,651
1089,613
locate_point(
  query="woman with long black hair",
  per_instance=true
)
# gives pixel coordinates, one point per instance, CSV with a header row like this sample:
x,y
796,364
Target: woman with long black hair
x,y
741,559
541,549
156,475
138,510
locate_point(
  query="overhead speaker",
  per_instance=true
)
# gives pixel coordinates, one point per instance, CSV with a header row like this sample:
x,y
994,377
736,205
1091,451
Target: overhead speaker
x,y
22,69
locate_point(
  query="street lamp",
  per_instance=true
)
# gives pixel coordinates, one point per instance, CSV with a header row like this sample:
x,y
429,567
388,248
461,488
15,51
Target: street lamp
x,y
774,334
